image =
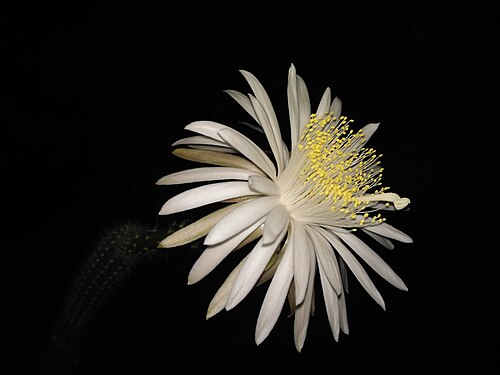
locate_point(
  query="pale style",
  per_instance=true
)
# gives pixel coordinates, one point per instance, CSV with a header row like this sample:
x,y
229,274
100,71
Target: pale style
x,y
303,207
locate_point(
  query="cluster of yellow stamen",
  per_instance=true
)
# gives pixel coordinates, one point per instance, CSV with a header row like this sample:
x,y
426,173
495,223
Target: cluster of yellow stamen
x,y
338,168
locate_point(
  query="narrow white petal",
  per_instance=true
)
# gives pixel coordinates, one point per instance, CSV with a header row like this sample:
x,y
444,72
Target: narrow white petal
x,y
327,259
276,222
344,324
395,199
275,296
271,130
343,274
324,104
293,105
249,150
219,301
244,101
381,240
240,218
216,158
200,140
207,128
263,185
303,311
195,230
251,271
368,131
205,174
354,265
336,107
301,259
304,104
372,259
213,255
389,231
203,195
331,302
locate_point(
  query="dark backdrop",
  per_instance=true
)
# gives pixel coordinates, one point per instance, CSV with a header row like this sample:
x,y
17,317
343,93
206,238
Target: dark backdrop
x,y
95,93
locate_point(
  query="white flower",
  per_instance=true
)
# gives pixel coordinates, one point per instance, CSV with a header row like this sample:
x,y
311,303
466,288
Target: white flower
x,y
304,207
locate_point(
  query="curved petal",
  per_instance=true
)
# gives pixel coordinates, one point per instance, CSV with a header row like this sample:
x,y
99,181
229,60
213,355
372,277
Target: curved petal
x,y
293,105
252,270
303,311
200,140
389,231
368,131
263,185
344,324
203,195
195,230
336,107
240,218
356,268
249,150
216,158
243,101
324,104
205,174
218,302
213,255
331,302
275,296
276,222
304,104
207,128
301,259
380,239
372,259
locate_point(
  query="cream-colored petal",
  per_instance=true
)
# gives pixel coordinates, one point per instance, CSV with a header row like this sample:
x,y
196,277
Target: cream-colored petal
x,y
252,270
213,255
344,324
395,199
275,296
304,104
303,311
336,107
195,230
263,185
219,300
380,239
372,259
354,265
200,140
324,104
250,150
206,194
216,158
276,222
331,302
207,128
205,174
293,106
243,101
389,231
301,259
368,131
240,218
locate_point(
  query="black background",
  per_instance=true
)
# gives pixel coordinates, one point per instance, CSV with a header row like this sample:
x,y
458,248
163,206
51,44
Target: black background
x,y
94,94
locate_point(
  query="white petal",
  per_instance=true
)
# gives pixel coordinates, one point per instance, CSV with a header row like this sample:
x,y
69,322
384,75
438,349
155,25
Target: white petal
x,y
389,231
195,230
368,131
381,240
219,301
249,150
324,104
205,174
244,101
276,222
303,311
356,268
398,202
326,257
301,260
344,324
373,259
215,158
343,274
293,105
207,128
203,195
275,296
263,185
252,270
213,255
240,218
336,107
304,104
200,140
331,302
226,149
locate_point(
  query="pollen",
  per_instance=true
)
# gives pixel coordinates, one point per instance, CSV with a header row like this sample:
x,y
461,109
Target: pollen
x,y
338,169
